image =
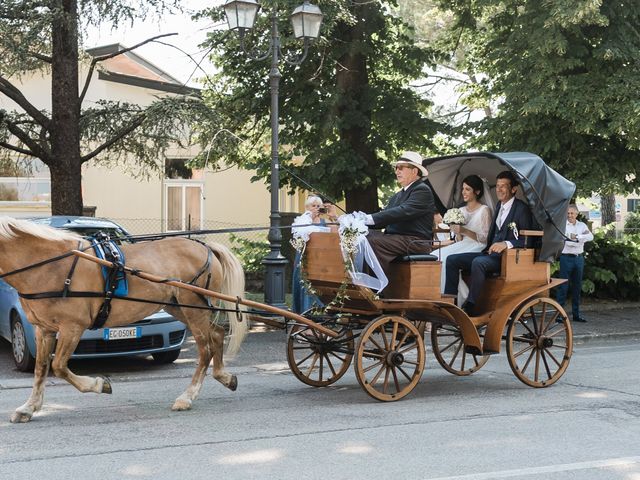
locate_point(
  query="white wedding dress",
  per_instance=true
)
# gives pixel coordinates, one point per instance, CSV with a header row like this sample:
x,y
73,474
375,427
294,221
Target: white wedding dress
x,y
479,222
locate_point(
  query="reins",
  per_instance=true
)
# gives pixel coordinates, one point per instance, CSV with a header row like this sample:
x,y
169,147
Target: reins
x,y
154,236
203,292
39,264
210,293
111,282
189,233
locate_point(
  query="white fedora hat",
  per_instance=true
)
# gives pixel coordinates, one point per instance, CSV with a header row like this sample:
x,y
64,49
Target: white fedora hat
x,y
414,159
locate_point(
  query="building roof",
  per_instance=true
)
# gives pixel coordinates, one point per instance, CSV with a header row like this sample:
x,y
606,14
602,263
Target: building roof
x,y
132,69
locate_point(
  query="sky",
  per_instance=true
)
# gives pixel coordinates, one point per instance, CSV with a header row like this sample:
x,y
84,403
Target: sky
x,y
190,35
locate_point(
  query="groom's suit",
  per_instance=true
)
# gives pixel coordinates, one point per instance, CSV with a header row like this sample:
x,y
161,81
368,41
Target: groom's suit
x,y
482,264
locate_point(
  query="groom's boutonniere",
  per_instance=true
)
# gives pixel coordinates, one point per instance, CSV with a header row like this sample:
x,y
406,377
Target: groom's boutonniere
x,y
514,229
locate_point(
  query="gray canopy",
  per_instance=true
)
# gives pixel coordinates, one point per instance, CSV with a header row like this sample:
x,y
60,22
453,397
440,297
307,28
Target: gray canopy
x,y
546,191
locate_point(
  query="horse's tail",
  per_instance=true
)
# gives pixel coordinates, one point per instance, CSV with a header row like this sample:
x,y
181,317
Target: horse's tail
x,y
232,285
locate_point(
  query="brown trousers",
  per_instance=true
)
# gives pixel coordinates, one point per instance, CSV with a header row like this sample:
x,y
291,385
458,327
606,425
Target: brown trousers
x,y
389,246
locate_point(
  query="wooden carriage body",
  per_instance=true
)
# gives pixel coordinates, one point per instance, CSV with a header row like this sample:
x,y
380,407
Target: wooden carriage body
x,y
412,303
414,289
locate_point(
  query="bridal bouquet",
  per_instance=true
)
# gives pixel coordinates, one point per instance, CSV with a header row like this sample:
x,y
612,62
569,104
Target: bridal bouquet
x,y
454,216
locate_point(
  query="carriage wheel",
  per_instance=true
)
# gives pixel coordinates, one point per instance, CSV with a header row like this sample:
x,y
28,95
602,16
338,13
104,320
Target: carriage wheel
x,y
539,342
317,359
389,358
448,349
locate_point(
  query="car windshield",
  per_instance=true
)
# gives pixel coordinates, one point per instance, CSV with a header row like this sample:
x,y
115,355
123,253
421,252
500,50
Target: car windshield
x,y
115,234
87,227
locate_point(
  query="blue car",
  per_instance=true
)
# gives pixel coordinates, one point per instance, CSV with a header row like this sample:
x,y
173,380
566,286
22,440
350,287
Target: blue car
x,y
159,335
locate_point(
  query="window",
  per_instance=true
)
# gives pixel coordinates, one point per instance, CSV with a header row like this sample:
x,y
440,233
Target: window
x,y
287,202
184,196
633,204
29,182
184,205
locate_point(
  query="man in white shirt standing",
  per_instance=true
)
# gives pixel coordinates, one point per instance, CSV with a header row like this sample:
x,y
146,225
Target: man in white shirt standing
x,y
572,262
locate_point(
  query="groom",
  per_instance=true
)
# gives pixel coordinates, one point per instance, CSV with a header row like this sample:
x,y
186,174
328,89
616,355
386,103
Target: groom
x,y
511,216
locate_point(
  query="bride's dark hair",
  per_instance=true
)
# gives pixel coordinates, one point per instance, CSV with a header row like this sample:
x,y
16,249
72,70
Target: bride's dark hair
x,y
475,182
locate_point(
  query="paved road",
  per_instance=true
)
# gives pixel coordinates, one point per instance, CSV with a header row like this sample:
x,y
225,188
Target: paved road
x,y
272,348
485,426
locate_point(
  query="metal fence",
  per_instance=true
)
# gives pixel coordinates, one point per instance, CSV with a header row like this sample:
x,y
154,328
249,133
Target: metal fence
x,y
250,254
626,232
142,226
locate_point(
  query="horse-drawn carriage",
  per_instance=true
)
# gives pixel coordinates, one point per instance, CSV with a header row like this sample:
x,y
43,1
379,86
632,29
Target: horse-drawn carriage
x,y
384,337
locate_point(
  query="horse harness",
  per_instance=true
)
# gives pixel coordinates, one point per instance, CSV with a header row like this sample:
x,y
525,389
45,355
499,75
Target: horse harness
x,y
114,275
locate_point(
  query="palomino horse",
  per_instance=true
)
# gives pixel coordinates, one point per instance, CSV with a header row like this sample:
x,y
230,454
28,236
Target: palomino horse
x,y
24,243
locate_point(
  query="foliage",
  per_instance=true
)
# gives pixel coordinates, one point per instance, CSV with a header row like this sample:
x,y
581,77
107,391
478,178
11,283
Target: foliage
x,y
38,36
612,267
163,124
348,110
251,253
554,70
632,222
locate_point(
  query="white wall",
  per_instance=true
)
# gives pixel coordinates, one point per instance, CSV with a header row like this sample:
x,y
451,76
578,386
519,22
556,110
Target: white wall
x,y
230,196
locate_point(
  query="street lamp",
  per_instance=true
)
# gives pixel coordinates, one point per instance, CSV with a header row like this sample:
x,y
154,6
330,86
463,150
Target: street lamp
x,y
306,20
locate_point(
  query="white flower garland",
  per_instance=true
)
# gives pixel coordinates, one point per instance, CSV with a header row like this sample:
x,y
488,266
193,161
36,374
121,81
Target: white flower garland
x,y
352,230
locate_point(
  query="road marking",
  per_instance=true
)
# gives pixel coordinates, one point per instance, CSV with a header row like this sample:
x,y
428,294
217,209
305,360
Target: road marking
x,y
565,467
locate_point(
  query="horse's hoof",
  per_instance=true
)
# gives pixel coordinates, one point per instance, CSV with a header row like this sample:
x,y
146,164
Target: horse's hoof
x,y
233,384
106,385
20,417
181,405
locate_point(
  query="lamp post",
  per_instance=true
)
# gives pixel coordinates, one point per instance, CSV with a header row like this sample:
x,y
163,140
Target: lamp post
x,y
306,20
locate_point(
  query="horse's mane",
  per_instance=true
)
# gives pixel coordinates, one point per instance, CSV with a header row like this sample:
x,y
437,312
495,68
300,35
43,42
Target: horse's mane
x,y
11,228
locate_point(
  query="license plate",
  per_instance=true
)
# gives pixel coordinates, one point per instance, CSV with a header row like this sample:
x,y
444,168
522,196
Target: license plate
x,y
122,333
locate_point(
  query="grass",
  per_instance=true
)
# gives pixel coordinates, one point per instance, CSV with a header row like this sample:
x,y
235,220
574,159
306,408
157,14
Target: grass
x,y
259,297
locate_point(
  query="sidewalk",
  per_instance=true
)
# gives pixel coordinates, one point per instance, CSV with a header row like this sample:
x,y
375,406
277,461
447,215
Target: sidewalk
x,y
607,320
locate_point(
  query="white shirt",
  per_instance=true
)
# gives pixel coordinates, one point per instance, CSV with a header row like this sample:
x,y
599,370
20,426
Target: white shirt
x,y
502,217
583,235
504,212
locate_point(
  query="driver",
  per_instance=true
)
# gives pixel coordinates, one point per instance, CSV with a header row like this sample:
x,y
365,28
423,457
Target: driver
x,y
408,218
511,216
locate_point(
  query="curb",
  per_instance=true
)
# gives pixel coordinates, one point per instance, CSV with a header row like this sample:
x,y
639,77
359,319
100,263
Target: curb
x,y
596,306
590,337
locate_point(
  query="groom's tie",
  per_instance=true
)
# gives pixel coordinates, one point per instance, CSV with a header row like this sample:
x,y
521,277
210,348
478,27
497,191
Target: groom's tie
x,y
501,215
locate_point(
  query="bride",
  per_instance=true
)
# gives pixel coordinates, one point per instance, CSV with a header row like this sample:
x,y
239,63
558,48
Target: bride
x,y
472,236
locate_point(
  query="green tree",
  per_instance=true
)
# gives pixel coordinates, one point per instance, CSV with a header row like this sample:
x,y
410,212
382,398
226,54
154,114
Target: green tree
x,y
38,35
348,110
632,222
563,76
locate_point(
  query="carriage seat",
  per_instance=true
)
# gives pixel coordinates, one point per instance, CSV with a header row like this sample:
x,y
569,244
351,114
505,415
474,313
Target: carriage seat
x,y
417,257
414,276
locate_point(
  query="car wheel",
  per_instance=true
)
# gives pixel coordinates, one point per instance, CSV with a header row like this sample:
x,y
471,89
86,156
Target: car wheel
x,y
25,362
166,357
